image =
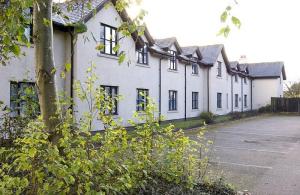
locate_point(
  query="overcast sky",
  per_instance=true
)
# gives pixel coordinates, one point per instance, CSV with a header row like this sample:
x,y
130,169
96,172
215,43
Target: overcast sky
x,y
270,28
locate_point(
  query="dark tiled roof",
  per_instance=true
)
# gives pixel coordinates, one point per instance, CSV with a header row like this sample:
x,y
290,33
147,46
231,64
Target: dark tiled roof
x,y
210,53
266,69
75,12
189,50
165,43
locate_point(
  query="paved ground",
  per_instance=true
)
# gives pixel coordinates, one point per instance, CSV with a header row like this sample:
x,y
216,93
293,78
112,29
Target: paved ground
x,y
260,154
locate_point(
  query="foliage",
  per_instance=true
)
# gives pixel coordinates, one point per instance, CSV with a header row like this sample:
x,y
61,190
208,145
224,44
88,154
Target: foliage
x,y
293,90
208,117
229,20
110,162
236,115
265,109
185,124
218,187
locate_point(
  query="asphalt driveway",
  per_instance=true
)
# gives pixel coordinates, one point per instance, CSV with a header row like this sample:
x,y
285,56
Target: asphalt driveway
x,y
260,154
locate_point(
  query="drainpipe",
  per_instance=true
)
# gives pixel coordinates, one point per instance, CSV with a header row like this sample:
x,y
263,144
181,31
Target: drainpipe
x,y
185,92
231,93
251,94
242,92
159,91
72,72
208,108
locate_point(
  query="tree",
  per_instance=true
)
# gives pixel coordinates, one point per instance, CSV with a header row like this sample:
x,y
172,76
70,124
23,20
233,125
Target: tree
x,y
293,90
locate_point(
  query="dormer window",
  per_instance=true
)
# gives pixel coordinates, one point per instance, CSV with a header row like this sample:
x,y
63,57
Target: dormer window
x,y
195,68
142,55
108,37
236,78
173,60
219,69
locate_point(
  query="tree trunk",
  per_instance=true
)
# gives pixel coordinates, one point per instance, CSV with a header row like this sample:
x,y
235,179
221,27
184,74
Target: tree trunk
x,y
44,62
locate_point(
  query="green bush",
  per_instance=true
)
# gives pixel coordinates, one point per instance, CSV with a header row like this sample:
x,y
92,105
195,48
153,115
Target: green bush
x,y
113,161
236,115
265,109
208,117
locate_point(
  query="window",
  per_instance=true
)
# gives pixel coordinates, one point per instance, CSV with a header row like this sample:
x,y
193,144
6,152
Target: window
x,y
245,80
236,100
142,55
219,100
172,100
195,68
219,69
141,100
23,98
245,101
112,95
173,60
108,38
195,100
28,29
236,79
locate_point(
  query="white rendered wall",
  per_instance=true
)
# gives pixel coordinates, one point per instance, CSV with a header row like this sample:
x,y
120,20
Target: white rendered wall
x,y
219,85
264,89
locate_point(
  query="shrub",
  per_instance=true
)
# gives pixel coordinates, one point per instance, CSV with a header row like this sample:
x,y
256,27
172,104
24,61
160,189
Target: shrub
x,y
236,115
114,161
265,109
208,117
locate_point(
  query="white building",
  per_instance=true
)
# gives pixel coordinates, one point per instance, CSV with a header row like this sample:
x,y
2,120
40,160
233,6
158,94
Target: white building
x,y
183,81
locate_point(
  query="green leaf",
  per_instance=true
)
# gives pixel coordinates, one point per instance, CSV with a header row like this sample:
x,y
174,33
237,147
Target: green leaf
x,y
224,31
68,67
32,152
15,49
224,16
122,58
236,21
46,22
100,47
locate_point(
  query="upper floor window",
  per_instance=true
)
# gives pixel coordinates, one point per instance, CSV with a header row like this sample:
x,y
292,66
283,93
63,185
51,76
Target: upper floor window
x,y
28,28
108,38
23,99
245,80
219,69
141,100
173,60
195,100
172,100
111,94
219,100
195,68
142,55
236,100
236,78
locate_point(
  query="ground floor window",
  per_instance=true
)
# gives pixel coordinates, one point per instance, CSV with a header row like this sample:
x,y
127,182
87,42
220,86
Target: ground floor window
x,y
23,99
236,100
141,100
195,100
111,93
245,101
219,100
172,100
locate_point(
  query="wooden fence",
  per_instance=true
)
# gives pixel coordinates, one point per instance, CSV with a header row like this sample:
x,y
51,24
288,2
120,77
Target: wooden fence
x,y
285,104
